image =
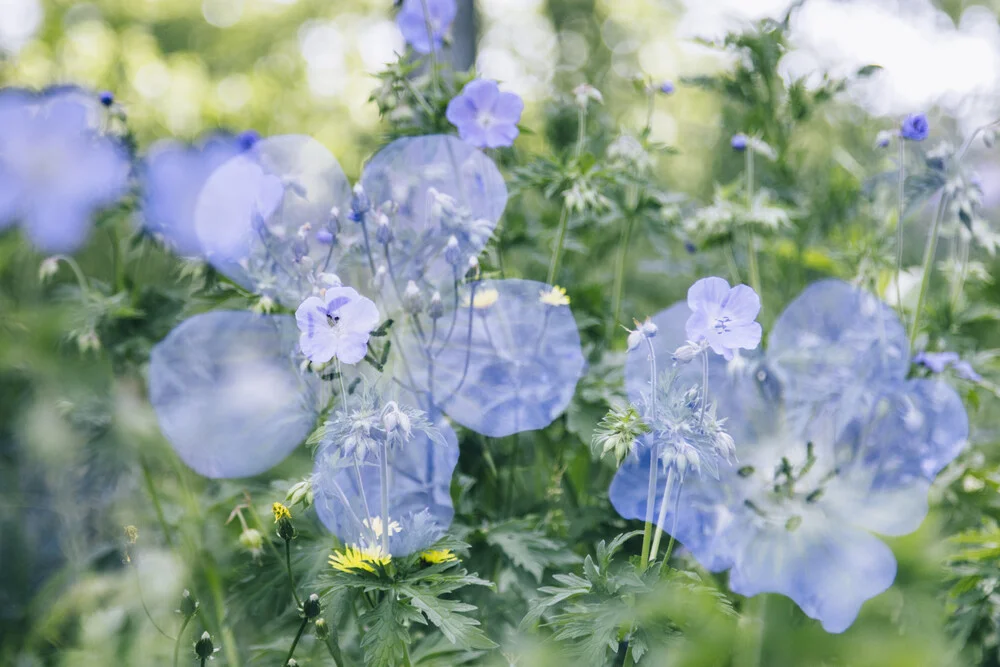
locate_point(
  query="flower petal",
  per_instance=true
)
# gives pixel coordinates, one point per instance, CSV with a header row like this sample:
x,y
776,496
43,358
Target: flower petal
x,y
228,394
508,108
742,303
707,291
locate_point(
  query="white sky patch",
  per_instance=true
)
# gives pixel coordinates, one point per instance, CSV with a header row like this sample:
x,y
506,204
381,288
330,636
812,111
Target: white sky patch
x,y
19,20
928,61
325,51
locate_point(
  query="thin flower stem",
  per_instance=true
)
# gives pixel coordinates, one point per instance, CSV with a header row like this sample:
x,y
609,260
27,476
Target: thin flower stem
x,y
383,469
963,270
619,285
421,100
929,252
668,489
581,134
654,461
142,601
343,387
180,636
333,646
750,646
288,567
81,279
751,240
430,43
899,227
734,269
295,642
704,385
147,476
560,240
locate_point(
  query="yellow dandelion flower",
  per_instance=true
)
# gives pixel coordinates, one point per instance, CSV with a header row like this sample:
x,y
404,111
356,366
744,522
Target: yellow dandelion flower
x,y
280,512
131,534
484,298
554,297
354,559
435,556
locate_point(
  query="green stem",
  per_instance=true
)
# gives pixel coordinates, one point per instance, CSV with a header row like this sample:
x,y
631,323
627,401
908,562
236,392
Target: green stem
x,y
963,270
751,241
654,460
288,567
899,227
929,252
81,279
383,468
734,269
333,646
619,285
668,489
157,506
750,644
180,636
430,43
557,251
295,642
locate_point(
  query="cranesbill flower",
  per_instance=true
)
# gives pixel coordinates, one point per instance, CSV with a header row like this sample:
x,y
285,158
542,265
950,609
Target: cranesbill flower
x,y
425,32
833,444
938,362
484,116
914,127
56,169
173,175
337,325
723,316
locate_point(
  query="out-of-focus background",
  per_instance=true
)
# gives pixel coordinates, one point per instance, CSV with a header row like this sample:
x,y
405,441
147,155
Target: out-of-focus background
x,y
72,431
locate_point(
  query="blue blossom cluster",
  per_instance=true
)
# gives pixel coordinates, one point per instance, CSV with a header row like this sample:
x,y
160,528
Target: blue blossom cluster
x,y
833,443
57,169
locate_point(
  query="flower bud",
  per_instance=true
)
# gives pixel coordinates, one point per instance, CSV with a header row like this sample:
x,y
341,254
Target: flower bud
x,y
360,204
585,93
188,604
252,540
325,237
48,268
292,662
452,253
204,648
396,422
687,352
413,301
381,273
473,271
739,142
321,629
333,220
383,233
311,607
300,493
88,341
436,308
634,340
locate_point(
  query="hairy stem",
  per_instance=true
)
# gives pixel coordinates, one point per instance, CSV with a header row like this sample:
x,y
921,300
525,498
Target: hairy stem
x,y
929,252
751,240
901,194
295,642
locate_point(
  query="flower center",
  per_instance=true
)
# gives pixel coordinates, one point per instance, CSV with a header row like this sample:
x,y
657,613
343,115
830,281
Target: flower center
x,y
722,324
485,120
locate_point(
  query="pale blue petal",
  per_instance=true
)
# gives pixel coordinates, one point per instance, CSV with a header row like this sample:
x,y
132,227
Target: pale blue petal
x,y
894,453
252,209
228,393
509,367
707,292
833,346
828,568
348,493
408,172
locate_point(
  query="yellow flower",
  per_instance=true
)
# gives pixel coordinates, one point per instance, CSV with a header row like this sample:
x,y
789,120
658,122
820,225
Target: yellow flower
x,y
484,298
353,559
554,297
131,534
435,556
280,512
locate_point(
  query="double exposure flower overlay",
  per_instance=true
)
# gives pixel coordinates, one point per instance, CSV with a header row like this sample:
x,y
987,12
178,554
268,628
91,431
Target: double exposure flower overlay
x,y
833,445
57,168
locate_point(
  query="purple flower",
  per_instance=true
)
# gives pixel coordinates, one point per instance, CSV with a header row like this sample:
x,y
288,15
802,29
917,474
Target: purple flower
x,y
667,87
56,170
938,362
915,127
425,32
336,326
248,138
723,316
484,116
107,98
739,142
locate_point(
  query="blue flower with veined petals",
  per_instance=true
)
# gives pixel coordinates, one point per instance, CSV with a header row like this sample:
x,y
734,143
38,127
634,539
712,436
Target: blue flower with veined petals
x,y
484,116
723,316
915,127
338,325
425,32
172,177
56,169
833,443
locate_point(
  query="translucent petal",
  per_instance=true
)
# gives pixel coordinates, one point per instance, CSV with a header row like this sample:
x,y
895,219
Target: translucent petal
x,y
828,568
510,365
909,435
228,393
259,216
348,491
833,346
471,197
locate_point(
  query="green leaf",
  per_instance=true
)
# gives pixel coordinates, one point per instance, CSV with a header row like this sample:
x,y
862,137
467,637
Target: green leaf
x,y
527,547
387,636
449,616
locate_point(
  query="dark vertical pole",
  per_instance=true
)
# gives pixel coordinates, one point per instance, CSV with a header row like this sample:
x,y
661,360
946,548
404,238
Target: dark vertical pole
x,y
463,32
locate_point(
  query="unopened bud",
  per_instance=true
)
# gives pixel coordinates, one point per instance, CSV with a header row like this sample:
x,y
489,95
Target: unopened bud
x,y
383,233
311,607
413,301
300,493
204,648
436,308
452,253
321,629
252,540
687,352
188,604
48,268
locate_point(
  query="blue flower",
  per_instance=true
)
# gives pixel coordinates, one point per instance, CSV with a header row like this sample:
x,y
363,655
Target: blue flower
x,y
347,481
107,98
915,127
739,142
511,364
833,444
938,362
338,325
667,87
723,316
228,392
172,176
425,32
484,116
56,169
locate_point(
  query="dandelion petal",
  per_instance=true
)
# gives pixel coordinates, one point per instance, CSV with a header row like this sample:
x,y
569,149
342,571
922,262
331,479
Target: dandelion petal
x,y
227,392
